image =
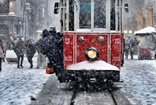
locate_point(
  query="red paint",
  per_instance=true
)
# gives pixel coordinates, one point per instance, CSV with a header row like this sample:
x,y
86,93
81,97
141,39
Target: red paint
x,y
115,50
74,50
144,52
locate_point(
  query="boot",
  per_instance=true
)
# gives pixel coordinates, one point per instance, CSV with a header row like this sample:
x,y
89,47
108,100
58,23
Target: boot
x,y
31,66
18,66
21,66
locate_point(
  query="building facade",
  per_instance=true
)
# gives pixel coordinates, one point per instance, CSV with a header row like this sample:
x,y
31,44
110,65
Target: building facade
x,y
38,18
24,17
140,15
10,18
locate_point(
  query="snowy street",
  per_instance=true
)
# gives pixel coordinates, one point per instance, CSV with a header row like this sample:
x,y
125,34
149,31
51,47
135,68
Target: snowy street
x,y
17,86
139,84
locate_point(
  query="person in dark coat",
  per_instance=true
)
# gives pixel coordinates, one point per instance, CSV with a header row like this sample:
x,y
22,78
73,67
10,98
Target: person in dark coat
x,y
133,46
127,47
58,60
50,48
40,58
30,51
19,50
1,54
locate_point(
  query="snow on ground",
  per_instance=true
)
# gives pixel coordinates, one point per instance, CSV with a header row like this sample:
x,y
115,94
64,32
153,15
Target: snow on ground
x,y
17,86
139,78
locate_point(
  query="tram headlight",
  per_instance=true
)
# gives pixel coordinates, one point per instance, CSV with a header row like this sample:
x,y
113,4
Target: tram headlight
x,y
92,53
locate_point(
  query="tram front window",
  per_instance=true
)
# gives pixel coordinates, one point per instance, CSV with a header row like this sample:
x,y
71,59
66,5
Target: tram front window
x,y
100,14
85,14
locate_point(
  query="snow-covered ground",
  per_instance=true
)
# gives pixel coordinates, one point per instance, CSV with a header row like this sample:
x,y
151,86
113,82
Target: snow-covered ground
x,y
17,86
139,84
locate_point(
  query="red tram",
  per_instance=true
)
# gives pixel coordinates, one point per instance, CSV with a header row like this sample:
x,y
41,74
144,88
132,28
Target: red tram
x,y
92,38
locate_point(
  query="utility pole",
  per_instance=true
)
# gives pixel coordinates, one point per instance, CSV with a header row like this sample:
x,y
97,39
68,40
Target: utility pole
x,y
26,12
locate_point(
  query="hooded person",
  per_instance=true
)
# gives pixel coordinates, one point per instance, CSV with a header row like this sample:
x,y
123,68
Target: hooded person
x,y
45,33
52,31
30,51
19,50
49,47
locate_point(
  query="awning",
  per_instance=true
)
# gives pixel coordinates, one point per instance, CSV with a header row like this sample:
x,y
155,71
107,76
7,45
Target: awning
x,y
145,31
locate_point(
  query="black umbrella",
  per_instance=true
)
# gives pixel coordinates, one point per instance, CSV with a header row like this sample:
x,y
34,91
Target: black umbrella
x,y
3,37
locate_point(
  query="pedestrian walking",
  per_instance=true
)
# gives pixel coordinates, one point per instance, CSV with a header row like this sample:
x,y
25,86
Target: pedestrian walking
x,y
127,47
19,50
30,51
133,46
1,54
40,58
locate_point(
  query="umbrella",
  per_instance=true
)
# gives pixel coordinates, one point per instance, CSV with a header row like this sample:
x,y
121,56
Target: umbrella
x,y
28,39
3,37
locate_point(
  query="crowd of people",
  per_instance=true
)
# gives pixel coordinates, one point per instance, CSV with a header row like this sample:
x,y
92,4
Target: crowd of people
x,y
22,47
50,45
131,47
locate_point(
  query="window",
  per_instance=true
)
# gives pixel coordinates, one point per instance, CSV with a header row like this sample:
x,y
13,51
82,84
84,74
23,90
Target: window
x,y
100,14
85,14
4,6
113,15
71,15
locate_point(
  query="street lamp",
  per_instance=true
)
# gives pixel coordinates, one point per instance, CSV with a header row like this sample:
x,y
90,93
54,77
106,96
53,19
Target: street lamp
x,y
130,31
125,31
27,10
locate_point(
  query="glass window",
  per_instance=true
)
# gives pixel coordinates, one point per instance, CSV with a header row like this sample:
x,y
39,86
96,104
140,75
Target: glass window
x,y
4,6
113,15
100,14
85,14
71,15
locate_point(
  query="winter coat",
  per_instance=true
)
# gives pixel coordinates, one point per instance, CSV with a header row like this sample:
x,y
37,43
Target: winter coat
x,y
30,50
45,33
1,49
134,45
48,46
38,46
19,48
